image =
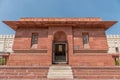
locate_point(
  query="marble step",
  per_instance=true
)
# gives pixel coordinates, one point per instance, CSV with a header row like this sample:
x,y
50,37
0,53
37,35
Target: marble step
x,y
62,77
60,72
60,67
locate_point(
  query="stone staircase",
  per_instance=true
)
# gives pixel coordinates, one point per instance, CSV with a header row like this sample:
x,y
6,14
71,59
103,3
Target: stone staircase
x,y
60,72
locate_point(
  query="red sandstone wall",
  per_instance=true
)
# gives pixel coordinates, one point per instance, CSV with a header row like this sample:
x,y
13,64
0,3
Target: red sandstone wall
x,y
23,73
23,38
96,55
96,73
97,38
91,59
24,54
29,59
97,41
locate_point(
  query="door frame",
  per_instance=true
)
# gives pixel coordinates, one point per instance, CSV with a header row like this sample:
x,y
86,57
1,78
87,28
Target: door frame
x,y
53,52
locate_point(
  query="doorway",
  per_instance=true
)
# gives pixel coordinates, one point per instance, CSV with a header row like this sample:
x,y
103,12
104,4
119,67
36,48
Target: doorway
x,y
60,53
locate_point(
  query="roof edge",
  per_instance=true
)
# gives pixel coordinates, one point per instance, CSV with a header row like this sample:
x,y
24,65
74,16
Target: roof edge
x,y
61,19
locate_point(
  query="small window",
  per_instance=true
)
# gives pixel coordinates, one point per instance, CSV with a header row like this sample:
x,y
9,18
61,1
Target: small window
x,y
85,38
34,38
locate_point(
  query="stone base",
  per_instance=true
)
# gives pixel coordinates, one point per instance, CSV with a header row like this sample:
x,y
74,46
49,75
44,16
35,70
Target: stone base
x,y
40,73
23,73
29,59
91,59
96,73
44,59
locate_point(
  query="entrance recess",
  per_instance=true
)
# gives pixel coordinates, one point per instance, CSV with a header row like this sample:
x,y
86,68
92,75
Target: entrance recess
x,y
60,47
60,53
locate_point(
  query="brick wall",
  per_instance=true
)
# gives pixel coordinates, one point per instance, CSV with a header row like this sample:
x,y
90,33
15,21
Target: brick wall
x,y
29,59
97,38
23,72
24,56
91,59
90,73
96,55
23,38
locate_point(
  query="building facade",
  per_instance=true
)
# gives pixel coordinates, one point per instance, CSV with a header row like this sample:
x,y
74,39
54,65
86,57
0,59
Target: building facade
x,y
113,43
6,43
72,41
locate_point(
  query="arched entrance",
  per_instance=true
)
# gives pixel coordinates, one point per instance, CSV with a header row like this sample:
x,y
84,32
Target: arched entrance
x,y
60,47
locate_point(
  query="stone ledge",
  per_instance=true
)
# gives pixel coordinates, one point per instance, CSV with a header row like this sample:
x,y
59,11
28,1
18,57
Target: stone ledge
x,y
24,67
92,54
89,51
95,67
60,19
30,51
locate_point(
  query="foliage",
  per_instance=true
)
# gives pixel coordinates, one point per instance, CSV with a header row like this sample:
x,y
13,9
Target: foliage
x,y
2,61
116,62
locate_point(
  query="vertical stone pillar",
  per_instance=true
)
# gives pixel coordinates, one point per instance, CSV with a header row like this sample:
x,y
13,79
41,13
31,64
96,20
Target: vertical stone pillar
x,y
50,39
70,45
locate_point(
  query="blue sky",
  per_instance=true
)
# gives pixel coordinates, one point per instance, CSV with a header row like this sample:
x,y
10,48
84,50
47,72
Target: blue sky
x,y
15,9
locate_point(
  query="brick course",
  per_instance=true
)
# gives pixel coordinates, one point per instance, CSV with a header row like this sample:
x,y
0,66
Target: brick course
x,y
23,72
29,59
96,73
85,72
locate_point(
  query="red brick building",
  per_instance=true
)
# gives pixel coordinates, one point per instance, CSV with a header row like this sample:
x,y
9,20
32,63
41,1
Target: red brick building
x,y
72,41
